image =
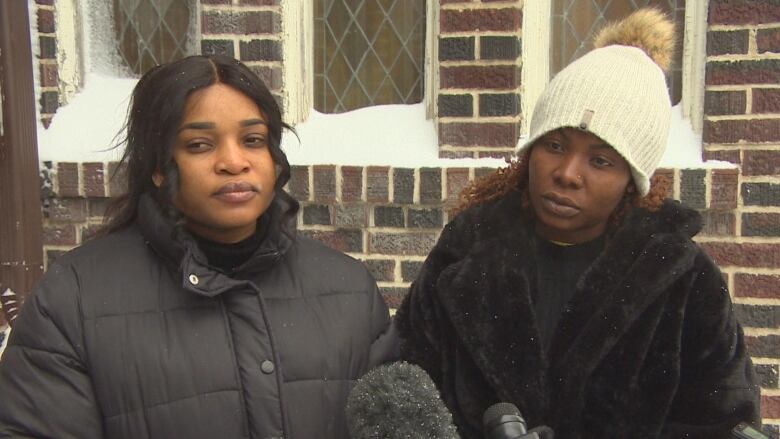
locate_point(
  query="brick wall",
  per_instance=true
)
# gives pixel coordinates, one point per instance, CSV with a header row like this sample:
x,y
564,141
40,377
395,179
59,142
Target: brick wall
x,y
742,125
249,30
48,69
478,100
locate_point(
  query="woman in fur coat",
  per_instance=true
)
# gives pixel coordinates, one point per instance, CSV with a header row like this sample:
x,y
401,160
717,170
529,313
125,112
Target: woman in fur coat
x,y
569,287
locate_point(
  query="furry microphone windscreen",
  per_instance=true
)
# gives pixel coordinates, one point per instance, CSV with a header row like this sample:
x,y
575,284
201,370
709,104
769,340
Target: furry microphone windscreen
x,y
398,401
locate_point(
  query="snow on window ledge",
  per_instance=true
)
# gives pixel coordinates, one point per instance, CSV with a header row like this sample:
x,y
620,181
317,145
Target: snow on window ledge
x,y
89,126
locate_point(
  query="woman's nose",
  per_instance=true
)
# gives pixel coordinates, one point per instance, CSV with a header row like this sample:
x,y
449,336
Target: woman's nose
x,y
231,159
570,172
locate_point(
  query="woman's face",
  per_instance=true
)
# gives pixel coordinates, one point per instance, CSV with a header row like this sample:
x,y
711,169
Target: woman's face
x,y
226,173
575,182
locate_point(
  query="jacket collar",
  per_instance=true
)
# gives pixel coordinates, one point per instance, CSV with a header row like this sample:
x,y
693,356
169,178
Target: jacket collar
x,y
493,281
180,251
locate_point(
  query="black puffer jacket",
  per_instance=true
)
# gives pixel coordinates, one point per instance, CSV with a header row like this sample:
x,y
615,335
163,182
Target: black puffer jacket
x,y
647,348
133,335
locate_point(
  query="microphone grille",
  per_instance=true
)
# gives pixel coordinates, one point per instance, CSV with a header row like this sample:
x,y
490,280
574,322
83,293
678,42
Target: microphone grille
x,y
398,401
495,411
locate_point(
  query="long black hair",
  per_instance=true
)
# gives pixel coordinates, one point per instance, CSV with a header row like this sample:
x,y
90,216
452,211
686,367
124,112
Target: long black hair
x,y
156,110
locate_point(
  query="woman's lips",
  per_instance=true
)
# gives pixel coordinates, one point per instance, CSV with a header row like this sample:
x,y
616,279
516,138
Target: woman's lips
x,y
236,192
560,206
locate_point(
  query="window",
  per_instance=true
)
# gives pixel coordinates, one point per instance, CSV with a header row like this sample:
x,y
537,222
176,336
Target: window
x,y
120,38
151,32
575,23
555,32
391,62
368,52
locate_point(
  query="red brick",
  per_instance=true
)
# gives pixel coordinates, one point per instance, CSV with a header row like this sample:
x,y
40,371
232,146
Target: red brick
x,y
456,154
502,155
724,189
724,102
732,131
45,21
343,240
504,19
761,163
377,183
351,183
117,179
770,406
719,223
406,244
765,71
393,296
299,183
478,134
480,77
457,180
760,286
727,42
271,76
67,179
49,76
768,40
766,100
761,224
93,179
743,255
743,11
324,183
244,23
59,235
728,155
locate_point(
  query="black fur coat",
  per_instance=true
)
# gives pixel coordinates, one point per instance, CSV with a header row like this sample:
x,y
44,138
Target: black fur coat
x,y
648,347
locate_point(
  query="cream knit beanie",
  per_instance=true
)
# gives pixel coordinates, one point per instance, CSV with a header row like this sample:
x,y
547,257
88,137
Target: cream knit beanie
x,y
617,92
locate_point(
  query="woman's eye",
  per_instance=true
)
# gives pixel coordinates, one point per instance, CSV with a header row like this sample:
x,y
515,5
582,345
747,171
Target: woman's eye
x,y
198,146
554,145
601,162
255,142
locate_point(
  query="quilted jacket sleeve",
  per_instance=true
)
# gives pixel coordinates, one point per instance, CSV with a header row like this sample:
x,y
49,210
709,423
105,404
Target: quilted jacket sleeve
x,y
717,386
43,379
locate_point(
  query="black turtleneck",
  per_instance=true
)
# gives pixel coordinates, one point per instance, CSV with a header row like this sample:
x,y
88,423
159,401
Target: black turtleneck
x,y
228,257
558,268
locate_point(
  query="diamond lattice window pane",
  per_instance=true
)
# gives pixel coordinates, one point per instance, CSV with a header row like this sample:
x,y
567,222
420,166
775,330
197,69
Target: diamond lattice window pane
x,y
151,32
575,23
368,52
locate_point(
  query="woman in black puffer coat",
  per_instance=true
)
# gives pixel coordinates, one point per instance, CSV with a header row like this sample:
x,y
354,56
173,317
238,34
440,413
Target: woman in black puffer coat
x,y
200,312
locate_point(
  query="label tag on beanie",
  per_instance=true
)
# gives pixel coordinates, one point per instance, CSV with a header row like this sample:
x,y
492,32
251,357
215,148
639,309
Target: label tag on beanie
x,y
587,115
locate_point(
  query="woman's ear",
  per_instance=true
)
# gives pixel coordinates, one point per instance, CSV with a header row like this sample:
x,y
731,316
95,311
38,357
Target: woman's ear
x,y
157,179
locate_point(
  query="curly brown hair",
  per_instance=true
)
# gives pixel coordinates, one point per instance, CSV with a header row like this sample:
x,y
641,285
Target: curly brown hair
x,y
514,177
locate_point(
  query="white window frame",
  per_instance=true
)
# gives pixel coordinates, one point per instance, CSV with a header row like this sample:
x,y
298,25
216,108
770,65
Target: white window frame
x,y
75,19
298,56
537,17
